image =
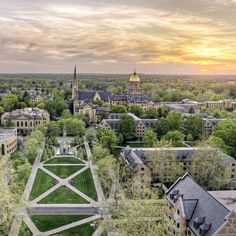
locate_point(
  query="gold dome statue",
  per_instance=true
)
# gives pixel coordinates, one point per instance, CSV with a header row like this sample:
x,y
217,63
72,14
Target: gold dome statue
x,y
134,77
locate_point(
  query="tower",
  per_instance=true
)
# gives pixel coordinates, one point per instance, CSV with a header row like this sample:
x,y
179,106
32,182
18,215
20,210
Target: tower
x,y
134,84
74,85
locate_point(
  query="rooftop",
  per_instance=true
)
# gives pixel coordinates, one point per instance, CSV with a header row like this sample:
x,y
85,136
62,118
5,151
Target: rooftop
x,y
6,133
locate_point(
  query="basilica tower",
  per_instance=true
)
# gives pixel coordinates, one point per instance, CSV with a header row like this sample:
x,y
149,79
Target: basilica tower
x,y
74,85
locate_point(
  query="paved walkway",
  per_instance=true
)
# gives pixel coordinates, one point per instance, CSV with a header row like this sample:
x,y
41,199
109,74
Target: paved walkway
x,y
15,227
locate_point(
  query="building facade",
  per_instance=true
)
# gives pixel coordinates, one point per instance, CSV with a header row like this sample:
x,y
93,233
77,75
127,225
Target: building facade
x,y
141,125
177,158
194,212
25,120
8,141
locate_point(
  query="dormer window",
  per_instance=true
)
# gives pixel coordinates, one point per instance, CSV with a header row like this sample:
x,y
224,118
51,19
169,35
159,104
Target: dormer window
x,y
198,221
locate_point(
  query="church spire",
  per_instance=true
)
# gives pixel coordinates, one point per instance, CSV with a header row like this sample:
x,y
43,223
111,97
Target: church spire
x,y
75,76
134,71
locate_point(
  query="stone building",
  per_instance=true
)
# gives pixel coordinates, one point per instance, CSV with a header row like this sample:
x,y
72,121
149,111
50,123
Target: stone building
x,y
25,120
179,157
8,141
194,212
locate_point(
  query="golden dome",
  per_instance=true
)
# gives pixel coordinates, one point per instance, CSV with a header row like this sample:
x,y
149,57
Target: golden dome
x,y
134,77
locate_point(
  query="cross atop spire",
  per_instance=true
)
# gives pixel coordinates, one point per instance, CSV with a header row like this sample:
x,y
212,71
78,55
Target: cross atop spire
x,y
75,76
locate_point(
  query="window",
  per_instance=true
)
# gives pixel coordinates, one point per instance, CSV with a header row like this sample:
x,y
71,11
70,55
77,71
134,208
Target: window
x,y
177,225
178,211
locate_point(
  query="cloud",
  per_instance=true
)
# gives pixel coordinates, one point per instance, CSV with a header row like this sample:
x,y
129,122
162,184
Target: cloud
x,y
116,34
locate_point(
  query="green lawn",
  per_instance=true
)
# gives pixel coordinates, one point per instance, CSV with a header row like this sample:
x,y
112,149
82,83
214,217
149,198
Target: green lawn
x,y
48,222
81,230
42,183
84,182
64,160
63,171
24,230
63,195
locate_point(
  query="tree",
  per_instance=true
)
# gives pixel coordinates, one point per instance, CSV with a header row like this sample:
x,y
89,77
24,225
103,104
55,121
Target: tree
x,y
126,127
7,197
54,129
41,105
9,102
21,105
166,165
60,106
66,114
137,110
31,149
151,113
194,125
99,152
226,130
162,111
191,110
119,109
175,137
175,120
91,135
208,168
74,126
150,138
138,210
162,127
108,138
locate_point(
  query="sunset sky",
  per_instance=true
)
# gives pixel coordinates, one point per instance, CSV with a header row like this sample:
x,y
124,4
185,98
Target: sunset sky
x,y
108,36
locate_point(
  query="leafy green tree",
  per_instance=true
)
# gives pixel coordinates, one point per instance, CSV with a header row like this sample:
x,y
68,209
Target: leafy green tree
x,y
162,111
162,127
208,168
60,106
108,138
21,105
91,135
226,130
175,119
66,114
151,113
99,152
194,125
126,127
150,138
9,102
74,127
119,109
137,110
191,110
54,129
175,137
41,105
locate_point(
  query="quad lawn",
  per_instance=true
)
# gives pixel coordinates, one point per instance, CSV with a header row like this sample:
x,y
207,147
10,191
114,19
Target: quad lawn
x,y
63,171
48,222
81,230
42,183
84,182
24,230
63,195
64,160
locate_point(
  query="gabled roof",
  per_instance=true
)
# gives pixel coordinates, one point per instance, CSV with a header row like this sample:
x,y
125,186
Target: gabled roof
x,y
89,95
198,203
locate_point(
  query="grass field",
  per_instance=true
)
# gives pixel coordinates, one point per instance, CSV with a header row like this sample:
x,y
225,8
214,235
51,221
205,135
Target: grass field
x,y
63,195
24,230
48,222
81,230
42,183
84,182
63,171
64,160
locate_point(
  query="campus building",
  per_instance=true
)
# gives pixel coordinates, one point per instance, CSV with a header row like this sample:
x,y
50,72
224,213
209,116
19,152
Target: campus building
x,y
141,125
177,158
8,141
25,120
85,102
195,212
221,104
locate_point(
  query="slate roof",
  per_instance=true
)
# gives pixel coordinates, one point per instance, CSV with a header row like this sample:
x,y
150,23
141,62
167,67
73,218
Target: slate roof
x,y
6,133
89,95
139,98
198,203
